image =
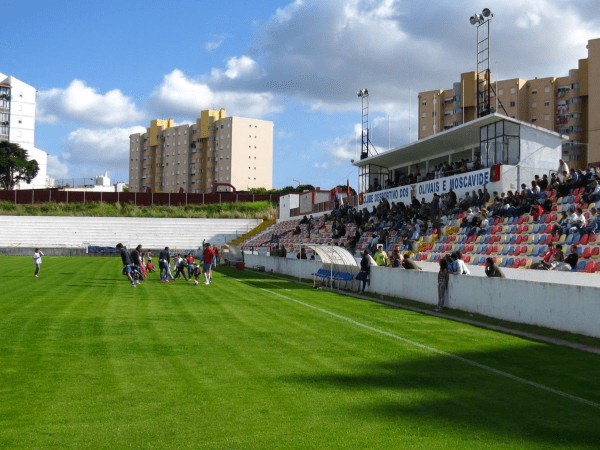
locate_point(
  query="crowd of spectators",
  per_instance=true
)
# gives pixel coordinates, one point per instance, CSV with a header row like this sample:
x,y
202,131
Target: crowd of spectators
x,y
441,170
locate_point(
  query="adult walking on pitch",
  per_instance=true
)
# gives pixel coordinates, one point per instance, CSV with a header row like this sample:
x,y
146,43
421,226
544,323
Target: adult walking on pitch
x,y
37,260
126,258
164,263
209,255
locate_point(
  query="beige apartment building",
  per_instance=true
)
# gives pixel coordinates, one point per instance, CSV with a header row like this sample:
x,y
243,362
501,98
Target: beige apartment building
x,y
568,105
233,151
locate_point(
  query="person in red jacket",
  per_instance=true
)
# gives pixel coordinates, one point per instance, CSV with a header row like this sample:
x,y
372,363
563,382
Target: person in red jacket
x,y
209,255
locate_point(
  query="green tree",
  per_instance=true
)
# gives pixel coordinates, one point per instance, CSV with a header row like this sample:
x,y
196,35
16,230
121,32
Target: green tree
x,y
14,166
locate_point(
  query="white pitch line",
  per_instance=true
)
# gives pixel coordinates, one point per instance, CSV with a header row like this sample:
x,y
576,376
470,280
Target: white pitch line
x,y
439,352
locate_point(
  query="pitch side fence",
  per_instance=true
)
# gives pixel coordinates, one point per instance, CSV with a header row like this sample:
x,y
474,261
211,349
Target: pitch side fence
x,y
33,196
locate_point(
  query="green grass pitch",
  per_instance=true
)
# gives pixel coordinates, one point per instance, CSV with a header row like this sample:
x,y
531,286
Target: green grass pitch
x,y
255,362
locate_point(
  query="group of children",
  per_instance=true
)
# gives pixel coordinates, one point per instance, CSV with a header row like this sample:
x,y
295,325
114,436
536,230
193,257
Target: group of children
x,y
137,264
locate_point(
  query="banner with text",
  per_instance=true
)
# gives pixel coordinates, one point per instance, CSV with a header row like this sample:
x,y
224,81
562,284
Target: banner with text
x,y
460,184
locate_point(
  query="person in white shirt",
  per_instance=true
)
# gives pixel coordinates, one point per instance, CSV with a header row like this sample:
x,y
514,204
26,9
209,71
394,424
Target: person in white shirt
x,y
577,220
37,260
458,265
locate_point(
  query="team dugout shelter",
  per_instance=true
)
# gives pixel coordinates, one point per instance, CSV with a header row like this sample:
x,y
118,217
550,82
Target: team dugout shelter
x,y
510,152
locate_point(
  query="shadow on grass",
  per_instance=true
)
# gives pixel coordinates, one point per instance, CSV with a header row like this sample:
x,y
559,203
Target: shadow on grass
x,y
440,392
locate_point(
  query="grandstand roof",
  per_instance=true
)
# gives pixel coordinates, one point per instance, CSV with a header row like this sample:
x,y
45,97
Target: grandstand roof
x,y
459,138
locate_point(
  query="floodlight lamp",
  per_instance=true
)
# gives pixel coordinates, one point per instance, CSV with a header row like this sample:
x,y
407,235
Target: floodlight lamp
x,y
474,19
486,12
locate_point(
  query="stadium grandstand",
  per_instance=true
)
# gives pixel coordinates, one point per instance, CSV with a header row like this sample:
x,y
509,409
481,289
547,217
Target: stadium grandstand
x,y
494,187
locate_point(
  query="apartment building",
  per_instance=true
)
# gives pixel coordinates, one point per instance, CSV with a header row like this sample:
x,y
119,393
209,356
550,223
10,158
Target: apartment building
x,y
569,105
233,151
17,125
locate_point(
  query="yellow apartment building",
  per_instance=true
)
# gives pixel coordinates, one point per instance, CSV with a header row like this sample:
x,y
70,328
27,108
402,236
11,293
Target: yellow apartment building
x,y
192,157
569,105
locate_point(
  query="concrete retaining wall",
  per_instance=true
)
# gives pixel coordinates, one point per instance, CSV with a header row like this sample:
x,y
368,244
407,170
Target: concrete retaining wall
x,y
559,300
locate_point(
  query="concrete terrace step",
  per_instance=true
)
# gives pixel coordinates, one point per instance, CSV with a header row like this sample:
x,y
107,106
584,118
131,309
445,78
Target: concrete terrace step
x,y
59,231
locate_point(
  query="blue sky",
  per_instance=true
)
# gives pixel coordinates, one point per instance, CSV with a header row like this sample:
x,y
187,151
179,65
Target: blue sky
x,y
104,69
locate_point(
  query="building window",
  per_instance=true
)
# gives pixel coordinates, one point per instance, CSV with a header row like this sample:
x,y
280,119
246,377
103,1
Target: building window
x,y
534,91
546,102
534,105
513,90
513,104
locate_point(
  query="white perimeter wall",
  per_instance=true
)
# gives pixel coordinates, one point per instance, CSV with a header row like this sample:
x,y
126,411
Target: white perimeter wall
x,y
559,300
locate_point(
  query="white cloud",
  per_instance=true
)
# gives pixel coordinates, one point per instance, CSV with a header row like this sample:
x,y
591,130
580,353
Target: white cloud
x,y
215,43
99,150
56,168
322,51
80,103
238,67
179,95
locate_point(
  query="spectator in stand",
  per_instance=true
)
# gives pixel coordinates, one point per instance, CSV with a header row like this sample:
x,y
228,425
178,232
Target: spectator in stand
x,y
560,225
302,254
547,205
546,259
458,265
381,257
536,212
408,263
572,257
443,281
594,192
396,259
491,270
593,222
559,257
577,220
543,183
562,166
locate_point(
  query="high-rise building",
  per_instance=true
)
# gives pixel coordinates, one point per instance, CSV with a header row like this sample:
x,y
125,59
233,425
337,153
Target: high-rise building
x,y
17,125
232,151
569,105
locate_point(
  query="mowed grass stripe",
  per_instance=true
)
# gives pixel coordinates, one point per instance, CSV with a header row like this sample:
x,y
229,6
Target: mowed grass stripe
x,y
235,365
440,352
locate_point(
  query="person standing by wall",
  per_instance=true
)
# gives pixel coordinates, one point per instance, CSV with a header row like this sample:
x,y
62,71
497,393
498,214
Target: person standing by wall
x,y
443,279
37,260
365,270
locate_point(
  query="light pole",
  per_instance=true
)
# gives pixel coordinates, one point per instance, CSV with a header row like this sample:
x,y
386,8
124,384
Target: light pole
x,y
364,150
484,85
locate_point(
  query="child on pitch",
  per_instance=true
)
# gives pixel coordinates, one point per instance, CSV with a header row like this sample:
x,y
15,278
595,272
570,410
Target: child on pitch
x,y
37,260
443,278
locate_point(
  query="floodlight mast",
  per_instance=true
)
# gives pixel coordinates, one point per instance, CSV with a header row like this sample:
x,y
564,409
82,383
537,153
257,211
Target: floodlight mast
x,y
484,83
364,149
